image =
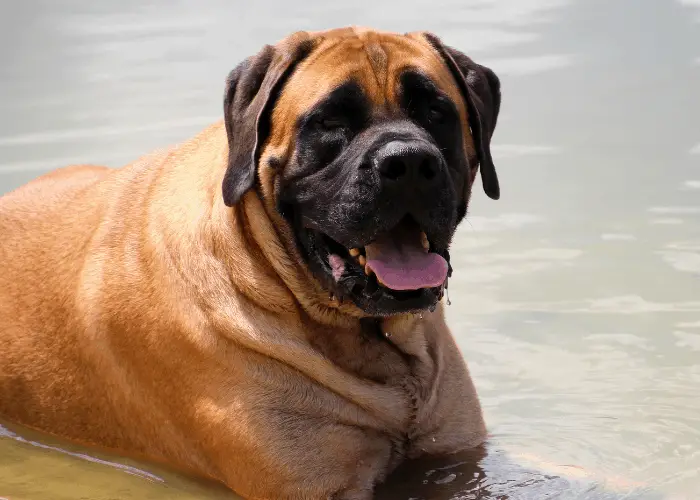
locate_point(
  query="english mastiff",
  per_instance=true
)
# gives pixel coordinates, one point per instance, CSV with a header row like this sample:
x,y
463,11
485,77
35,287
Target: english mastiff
x,y
262,304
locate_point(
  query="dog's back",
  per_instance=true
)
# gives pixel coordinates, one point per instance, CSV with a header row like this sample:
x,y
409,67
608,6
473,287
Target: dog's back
x,y
45,226
55,236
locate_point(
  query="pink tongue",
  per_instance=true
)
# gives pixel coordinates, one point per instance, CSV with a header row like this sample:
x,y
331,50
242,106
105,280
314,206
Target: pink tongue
x,y
400,262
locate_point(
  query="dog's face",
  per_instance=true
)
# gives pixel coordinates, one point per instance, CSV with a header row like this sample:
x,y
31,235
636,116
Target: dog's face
x,y
367,145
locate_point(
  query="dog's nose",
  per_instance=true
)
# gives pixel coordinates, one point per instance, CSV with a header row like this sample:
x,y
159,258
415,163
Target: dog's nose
x,y
408,163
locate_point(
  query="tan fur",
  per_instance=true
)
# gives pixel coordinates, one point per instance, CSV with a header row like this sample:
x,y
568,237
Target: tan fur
x,y
139,313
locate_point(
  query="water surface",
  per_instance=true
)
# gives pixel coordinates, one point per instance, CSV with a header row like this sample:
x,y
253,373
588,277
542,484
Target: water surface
x,y
576,297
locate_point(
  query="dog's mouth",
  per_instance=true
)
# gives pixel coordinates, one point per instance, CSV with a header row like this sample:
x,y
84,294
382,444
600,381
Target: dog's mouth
x,y
399,270
400,260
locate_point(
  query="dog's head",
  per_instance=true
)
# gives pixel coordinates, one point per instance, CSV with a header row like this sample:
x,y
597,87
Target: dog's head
x,y
366,145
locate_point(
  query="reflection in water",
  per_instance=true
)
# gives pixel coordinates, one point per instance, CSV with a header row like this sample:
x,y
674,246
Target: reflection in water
x,y
6,433
35,466
575,298
476,474
490,474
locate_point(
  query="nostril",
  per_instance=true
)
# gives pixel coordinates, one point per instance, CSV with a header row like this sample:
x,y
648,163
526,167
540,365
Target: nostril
x,y
393,168
427,169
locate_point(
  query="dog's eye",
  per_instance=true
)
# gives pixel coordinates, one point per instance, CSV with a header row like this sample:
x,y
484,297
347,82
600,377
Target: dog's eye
x,y
330,124
436,113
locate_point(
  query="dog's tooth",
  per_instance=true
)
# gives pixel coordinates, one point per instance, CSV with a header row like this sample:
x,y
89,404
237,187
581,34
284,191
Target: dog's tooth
x,y
368,270
363,260
354,252
424,241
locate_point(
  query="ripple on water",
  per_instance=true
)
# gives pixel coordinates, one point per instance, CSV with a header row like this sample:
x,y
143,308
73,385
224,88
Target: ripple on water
x,y
502,222
34,465
491,267
682,256
6,433
667,221
687,210
503,151
618,405
618,304
617,237
687,340
530,65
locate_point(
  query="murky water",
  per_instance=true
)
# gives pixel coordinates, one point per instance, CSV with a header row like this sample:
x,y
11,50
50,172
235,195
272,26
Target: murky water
x,y
576,297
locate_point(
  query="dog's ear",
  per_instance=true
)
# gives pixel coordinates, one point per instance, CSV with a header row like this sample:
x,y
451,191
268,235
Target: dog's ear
x,y
251,91
482,92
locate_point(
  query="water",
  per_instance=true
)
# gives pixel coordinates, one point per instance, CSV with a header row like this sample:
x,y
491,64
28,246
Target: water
x,y
576,297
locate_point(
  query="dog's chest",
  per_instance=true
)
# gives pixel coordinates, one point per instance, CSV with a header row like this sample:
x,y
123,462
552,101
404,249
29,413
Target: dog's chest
x,y
368,356
369,353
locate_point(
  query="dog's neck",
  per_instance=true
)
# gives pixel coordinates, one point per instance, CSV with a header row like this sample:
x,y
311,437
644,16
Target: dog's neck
x,y
267,271
270,275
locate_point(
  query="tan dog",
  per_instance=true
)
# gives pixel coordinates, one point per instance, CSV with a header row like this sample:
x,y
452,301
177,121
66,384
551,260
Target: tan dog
x,y
284,335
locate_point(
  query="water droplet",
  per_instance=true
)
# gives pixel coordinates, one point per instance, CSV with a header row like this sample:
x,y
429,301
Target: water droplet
x,y
387,334
447,297
433,439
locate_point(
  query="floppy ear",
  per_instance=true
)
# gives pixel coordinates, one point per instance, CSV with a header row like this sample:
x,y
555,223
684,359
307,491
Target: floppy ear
x,y
482,91
251,91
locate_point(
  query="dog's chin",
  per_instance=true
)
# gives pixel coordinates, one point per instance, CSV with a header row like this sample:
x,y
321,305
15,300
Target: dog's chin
x,y
347,274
